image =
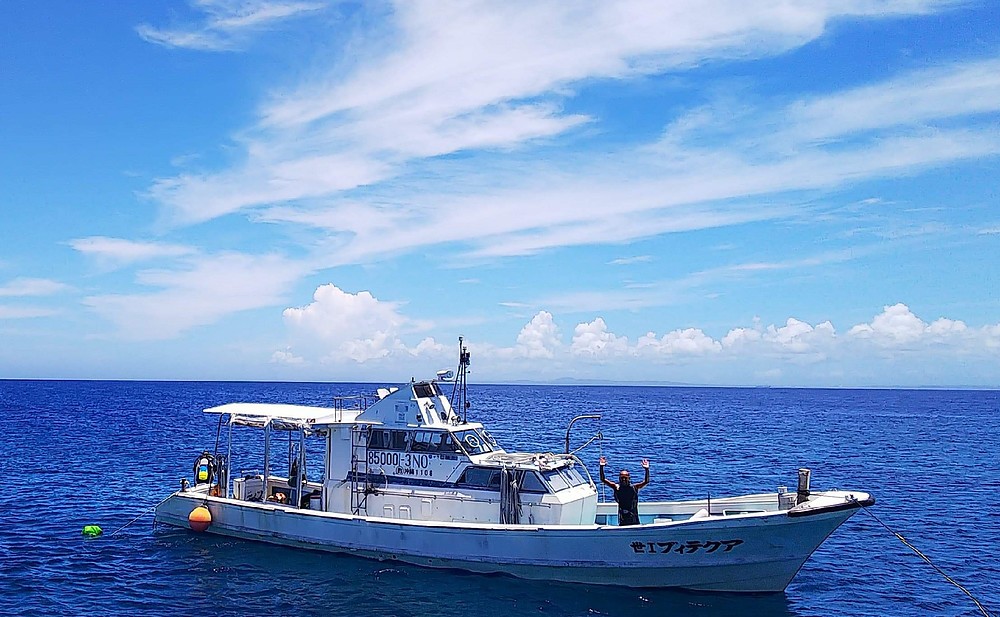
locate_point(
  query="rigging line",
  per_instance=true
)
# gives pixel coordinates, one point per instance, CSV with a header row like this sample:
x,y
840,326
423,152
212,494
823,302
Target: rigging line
x,y
141,514
906,542
589,441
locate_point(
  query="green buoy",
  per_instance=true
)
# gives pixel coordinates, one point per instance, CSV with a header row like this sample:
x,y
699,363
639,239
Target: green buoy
x,y
92,531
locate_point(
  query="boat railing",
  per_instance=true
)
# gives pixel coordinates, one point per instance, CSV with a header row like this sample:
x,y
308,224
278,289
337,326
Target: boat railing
x,y
357,402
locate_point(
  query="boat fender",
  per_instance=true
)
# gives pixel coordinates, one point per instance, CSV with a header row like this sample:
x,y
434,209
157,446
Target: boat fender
x,y
199,519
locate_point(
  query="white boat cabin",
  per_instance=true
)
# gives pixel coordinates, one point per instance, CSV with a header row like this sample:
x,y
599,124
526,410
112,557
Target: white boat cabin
x,y
410,455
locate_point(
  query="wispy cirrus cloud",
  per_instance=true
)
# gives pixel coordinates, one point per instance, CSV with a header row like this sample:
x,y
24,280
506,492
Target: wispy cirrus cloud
x,y
119,251
30,287
482,77
625,261
199,291
25,312
226,25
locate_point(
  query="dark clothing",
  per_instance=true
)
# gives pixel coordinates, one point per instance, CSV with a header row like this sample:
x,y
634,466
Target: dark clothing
x,y
628,505
627,496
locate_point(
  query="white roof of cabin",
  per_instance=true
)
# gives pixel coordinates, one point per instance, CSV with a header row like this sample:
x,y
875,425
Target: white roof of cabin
x,y
285,416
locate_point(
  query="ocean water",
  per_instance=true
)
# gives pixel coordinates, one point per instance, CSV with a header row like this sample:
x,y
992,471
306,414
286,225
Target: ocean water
x,y
76,453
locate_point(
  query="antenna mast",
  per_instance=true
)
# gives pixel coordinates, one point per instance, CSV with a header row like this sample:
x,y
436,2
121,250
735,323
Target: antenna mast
x,y
460,393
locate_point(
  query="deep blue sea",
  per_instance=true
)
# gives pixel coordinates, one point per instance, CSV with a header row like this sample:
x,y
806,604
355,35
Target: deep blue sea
x,y
75,453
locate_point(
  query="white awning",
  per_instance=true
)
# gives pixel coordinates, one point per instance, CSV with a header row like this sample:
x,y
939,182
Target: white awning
x,y
284,417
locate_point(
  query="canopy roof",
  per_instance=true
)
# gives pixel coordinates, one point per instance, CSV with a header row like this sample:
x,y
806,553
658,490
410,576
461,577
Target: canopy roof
x,y
285,417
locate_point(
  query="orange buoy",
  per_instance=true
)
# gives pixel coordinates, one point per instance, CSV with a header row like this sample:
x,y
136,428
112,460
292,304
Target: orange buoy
x,y
200,518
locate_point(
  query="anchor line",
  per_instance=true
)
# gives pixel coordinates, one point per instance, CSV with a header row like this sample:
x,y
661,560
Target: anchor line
x,y
140,515
979,605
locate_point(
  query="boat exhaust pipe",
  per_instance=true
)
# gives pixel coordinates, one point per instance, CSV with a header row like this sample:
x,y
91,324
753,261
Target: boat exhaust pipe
x,y
803,492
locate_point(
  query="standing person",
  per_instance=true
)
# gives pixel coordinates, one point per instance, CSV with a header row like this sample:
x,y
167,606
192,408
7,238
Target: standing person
x,y
626,493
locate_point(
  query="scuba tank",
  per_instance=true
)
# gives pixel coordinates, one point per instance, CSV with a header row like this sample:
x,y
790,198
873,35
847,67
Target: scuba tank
x,y
204,468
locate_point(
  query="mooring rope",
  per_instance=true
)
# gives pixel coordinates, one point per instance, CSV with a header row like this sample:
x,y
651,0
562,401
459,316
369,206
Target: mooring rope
x,y
979,605
140,515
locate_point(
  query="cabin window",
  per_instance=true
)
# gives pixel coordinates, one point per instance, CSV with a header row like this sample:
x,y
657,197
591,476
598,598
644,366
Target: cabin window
x,y
426,390
574,477
532,483
425,441
473,442
555,480
382,439
445,443
480,477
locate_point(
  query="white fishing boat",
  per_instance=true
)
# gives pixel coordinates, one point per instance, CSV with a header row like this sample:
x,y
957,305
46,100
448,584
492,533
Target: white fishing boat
x,y
407,477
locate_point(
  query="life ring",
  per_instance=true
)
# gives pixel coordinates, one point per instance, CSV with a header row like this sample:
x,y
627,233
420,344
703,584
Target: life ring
x,y
472,441
489,438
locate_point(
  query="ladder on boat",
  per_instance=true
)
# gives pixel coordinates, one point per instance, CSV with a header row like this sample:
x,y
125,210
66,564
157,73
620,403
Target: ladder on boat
x,y
359,469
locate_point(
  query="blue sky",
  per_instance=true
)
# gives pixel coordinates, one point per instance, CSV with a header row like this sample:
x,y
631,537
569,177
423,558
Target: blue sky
x,y
712,192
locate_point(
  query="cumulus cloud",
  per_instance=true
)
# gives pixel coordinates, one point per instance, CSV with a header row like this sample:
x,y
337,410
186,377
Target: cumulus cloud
x,y
898,327
895,325
687,341
594,340
340,325
539,338
286,357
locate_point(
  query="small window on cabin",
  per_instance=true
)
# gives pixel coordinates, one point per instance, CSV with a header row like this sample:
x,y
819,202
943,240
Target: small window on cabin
x,y
446,444
481,478
426,390
425,441
555,480
397,440
532,483
383,439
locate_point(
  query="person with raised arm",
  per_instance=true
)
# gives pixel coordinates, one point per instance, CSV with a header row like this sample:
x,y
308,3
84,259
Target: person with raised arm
x,y
626,493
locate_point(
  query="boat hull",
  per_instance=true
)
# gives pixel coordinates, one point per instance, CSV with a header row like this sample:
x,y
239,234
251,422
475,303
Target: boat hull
x,y
759,552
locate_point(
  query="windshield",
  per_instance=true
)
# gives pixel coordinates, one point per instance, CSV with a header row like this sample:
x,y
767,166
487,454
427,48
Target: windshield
x,y
474,442
564,477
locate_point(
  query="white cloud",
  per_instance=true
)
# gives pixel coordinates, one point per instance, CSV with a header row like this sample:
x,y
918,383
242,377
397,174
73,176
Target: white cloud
x,y
206,289
896,325
687,341
539,338
286,357
27,287
593,340
118,251
25,312
338,325
625,261
226,25
481,76
341,327
797,336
